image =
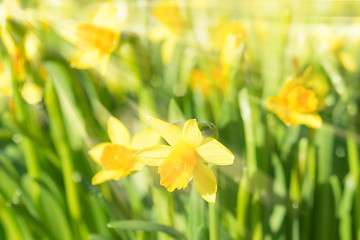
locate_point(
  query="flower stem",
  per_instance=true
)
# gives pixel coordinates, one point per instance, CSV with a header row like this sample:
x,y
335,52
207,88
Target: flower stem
x,y
353,157
58,132
213,222
27,145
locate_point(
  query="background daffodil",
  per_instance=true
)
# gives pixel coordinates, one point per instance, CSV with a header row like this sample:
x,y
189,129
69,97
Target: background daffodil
x,y
296,104
117,157
186,157
218,80
172,26
95,40
228,36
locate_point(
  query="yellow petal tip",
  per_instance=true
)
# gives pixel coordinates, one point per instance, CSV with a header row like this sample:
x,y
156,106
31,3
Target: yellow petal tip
x,y
94,182
209,198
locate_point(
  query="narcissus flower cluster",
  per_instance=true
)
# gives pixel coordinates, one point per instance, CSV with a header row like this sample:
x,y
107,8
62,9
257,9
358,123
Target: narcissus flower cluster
x,y
95,40
172,26
185,158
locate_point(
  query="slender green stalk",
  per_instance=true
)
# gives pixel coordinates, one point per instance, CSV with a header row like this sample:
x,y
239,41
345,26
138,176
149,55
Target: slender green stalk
x,y
307,191
214,216
136,204
242,206
31,159
196,214
213,222
164,205
246,113
58,132
324,204
353,158
8,221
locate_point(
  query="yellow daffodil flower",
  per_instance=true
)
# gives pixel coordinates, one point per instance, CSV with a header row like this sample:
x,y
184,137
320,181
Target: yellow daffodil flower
x,y
218,80
31,92
95,40
296,104
10,9
228,36
117,157
186,157
167,12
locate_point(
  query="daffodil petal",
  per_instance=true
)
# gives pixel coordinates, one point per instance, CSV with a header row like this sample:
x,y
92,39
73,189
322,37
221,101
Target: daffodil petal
x,y
138,166
68,32
84,60
191,133
96,151
31,93
145,138
31,45
212,151
158,33
118,133
205,182
154,155
8,42
104,176
169,132
311,120
104,62
168,48
106,16
168,13
176,171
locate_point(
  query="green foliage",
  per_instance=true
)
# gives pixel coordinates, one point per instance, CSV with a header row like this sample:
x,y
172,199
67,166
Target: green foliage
x,y
286,182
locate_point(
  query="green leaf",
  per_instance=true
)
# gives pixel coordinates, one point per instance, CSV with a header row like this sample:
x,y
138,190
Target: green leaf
x,y
175,114
74,121
98,237
139,225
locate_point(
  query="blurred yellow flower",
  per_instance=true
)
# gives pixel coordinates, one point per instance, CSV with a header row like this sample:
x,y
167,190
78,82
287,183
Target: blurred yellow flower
x,y
218,80
227,37
167,12
31,46
186,157
31,92
296,104
9,9
117,157
95,40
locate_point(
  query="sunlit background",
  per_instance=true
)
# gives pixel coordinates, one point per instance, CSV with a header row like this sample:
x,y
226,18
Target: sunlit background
x,y
276,82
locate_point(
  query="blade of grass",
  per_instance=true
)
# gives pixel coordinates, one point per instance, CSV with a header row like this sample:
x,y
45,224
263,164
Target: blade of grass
x,y
324,204
31,159
353,158
243,206
345,209
196,214
58,133
138,225
69,111
246,114
214,215
9,222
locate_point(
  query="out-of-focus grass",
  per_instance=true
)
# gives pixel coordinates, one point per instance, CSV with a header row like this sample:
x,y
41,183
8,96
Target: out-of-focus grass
x,y
286,182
